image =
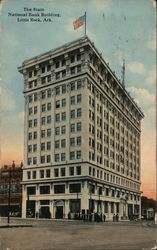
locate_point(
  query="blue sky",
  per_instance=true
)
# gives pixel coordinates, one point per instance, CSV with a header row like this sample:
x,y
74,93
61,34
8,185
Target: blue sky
x,y
118,28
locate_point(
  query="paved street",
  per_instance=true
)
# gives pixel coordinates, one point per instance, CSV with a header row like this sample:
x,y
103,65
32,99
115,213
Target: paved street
x,y
79,235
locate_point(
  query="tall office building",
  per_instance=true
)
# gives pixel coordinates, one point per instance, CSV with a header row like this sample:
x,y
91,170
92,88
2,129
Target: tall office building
x,y
82,136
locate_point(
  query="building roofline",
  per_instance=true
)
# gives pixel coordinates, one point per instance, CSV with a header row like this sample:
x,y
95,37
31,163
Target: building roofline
x,y
78,42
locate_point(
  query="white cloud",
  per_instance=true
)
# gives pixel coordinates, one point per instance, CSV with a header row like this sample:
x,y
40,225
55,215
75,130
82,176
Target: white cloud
x,y
142,96
151,78
154,3
7,101
136,68
101,5
1,4
69,26
152,42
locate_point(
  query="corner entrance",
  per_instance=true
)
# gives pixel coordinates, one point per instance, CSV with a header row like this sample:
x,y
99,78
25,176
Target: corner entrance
x,y
59,209
59,212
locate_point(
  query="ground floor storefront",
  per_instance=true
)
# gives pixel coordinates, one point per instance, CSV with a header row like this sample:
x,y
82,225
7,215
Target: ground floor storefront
x,y
79,200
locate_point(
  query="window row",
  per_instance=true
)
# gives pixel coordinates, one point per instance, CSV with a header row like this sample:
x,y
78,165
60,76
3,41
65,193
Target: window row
x,y
58,172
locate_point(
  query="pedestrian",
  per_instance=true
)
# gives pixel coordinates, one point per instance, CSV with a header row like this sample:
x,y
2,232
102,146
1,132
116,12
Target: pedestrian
x,y
104,217
117,217
114,217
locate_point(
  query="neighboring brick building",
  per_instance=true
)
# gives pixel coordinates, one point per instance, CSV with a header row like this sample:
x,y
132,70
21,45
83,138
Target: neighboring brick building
x,y
82,136
147,207
15,190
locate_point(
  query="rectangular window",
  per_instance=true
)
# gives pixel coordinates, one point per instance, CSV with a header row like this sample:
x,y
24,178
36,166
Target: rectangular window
x,y
57,131
79,126
35,97
35,148
75,188
47,173
43,80
30,74
29,161
34,175
79,98
71,171
35,122
72,114
43,94
78,155
42,173
64,116
72,141
72,100
63,158
57,117
63,102
48,145
112,207
30,136
35,110
57,159
42,159
78,57
57,64
30,99
30,123
62,171
43,108
45,189
30,111
63,130
49,119
57,104
72,59
48,132
31,190
48,158
72,86
34,160
42,133
63,89
35,135
58,91
63,73
63,143
59,189
78,68
72,155
72,127
49,78
43,121
78,170
43,69
79,140
63,63
28,175
57,144
79,84
29,148
57,75
49,93
56,172
48,106
42,146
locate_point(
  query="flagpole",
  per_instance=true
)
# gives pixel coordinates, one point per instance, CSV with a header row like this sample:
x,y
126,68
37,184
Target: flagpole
x,y
85,23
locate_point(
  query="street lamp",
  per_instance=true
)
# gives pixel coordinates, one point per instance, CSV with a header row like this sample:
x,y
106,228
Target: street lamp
x,y
9,195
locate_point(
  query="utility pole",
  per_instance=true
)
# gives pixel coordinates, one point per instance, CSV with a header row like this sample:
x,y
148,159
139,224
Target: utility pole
x,y
123,72
9,195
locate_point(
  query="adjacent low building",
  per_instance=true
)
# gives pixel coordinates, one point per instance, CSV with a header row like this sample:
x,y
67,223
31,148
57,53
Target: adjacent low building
x,y
10,175
82,136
